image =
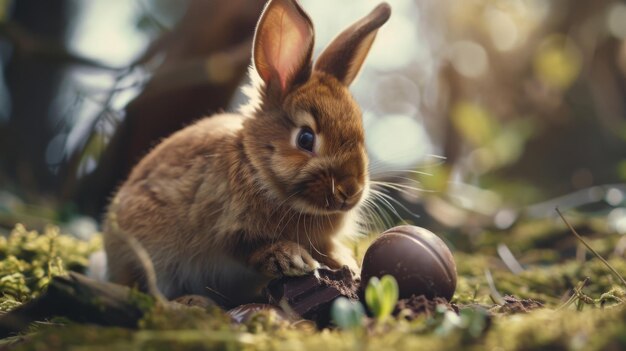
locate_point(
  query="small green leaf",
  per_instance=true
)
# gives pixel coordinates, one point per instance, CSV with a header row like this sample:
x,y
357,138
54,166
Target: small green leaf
x,y
381,296
371,296
389,295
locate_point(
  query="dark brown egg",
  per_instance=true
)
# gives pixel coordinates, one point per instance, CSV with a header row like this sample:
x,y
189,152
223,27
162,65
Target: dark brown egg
x,y
418,259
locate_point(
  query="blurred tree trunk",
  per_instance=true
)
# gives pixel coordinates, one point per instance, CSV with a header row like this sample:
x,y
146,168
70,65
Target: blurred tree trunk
x,y
583,131
33,83
205,58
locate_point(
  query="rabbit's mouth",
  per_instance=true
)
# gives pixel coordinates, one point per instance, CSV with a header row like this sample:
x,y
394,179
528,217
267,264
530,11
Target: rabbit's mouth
x,y
344,198
332,206
315,196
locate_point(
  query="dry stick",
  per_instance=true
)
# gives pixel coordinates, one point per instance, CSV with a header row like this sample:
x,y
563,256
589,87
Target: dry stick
x,y
591,249
509,259
577,290
495,295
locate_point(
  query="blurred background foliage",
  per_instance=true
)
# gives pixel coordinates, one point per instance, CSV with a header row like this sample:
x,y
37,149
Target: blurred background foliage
x,y
482,112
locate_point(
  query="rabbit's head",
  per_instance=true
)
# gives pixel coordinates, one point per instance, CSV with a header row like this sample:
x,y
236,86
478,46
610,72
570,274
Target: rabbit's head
x,y
306,140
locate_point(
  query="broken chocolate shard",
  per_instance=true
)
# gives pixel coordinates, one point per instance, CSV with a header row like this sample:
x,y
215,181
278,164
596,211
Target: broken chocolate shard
x,y
311,296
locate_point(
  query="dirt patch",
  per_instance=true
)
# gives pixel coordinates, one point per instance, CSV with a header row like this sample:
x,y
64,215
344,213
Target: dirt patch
x,y
417,306
514,305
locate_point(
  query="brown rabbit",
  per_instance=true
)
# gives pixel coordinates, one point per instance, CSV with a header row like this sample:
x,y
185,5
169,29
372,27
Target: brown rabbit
x,y
234,200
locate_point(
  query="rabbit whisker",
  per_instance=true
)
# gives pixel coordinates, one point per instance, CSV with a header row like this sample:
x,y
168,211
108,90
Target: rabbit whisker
x,y
298,236
403,188
386,198
377,218
274,235
311,242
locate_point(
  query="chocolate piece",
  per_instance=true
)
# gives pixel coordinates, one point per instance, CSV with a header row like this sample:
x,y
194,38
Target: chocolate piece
x,y
311,296
243,313
418,259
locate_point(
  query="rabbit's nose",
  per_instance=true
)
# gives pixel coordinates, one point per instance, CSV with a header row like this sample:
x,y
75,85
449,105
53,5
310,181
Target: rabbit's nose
x,y
348,193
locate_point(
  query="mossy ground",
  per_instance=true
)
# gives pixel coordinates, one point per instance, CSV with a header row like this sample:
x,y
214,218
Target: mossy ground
x,y
594,318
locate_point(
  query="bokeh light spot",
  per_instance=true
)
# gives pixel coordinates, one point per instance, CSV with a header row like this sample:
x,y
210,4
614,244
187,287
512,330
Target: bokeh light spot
x,y
504,218
474,122
4,9
396,94
107,31
398,140
557,62
502,30
395,45
616,20
614,197
617,220
469,59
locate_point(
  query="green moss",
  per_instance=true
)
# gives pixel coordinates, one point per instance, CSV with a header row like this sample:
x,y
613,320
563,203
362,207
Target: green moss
x,y
595,319
592,329
143,301
30,260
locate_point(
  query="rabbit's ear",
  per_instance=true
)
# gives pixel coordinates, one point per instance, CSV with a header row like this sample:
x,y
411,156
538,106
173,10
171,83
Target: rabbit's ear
x,y
283,43
345,55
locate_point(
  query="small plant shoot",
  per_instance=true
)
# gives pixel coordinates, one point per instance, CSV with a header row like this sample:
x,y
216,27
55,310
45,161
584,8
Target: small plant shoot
x,y
381,296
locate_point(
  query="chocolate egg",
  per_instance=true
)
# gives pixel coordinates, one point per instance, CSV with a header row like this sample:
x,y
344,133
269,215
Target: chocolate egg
x,y
418,259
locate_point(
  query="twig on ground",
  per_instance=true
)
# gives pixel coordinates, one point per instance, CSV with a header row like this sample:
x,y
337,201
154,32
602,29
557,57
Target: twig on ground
x,y
509,259
575,294
594,252
495,295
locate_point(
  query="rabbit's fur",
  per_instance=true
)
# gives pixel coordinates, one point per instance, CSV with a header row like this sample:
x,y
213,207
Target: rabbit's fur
x,y
232,201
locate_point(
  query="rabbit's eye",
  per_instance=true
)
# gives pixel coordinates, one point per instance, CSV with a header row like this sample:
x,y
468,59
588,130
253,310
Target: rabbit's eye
x,y
306,139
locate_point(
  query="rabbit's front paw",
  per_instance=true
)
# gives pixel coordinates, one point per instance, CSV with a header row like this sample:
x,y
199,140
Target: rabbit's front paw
x,y
283,258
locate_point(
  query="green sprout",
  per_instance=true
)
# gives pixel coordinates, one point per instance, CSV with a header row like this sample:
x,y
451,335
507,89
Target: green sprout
x,y
381,296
